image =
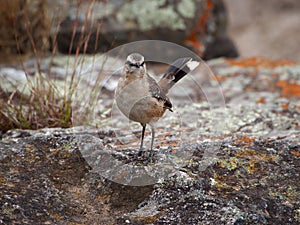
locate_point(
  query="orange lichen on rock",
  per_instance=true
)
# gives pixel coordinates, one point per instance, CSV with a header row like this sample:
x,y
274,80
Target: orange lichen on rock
x,y
285,106
289,89
200,29
258,156
245,140
256,62
119,143
261,100
295,153
220,78
255,159
193,41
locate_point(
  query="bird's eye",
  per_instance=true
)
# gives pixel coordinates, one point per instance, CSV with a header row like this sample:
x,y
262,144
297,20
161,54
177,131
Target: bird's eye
x,y
129,63
134,64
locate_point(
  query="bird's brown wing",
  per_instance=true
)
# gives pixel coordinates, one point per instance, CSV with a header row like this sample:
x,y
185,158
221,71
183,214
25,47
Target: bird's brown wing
x,y
158,93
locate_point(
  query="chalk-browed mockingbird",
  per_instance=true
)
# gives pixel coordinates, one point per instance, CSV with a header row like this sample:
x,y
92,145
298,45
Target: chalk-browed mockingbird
x,y
141,98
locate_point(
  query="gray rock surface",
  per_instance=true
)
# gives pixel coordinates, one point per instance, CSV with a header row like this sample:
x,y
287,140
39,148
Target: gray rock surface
x,y
228,164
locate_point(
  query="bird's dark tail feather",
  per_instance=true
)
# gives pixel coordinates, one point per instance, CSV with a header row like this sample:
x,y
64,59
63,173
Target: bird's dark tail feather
x,y
176,71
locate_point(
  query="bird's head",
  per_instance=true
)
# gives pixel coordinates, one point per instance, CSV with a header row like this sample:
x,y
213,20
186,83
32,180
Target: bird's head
x,y
135,65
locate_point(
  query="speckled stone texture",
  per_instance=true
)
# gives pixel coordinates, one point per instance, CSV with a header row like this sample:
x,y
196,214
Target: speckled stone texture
x,y
252,178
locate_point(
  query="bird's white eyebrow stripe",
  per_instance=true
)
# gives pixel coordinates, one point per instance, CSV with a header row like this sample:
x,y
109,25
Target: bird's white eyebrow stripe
x,y
134,64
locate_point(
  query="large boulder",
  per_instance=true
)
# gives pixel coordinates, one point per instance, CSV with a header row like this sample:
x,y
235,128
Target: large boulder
x,y
199,25
53,176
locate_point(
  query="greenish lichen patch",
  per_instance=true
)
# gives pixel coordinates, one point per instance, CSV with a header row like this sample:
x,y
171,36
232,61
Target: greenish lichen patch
x,y
187,8
152,14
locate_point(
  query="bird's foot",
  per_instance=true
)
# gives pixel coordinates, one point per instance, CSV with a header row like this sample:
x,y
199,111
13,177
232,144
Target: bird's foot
x,y
145,155
150,157
141,152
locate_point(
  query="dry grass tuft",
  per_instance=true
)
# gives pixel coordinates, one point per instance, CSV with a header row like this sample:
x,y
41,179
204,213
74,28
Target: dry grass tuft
x,y
40,103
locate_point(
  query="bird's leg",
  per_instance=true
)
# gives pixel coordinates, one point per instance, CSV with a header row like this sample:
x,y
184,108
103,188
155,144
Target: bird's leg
x,y
152,142
142,140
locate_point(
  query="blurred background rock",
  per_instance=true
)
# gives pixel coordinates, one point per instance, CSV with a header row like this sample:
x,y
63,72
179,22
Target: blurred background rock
x,y
199,25
269,28
211,28
97,26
